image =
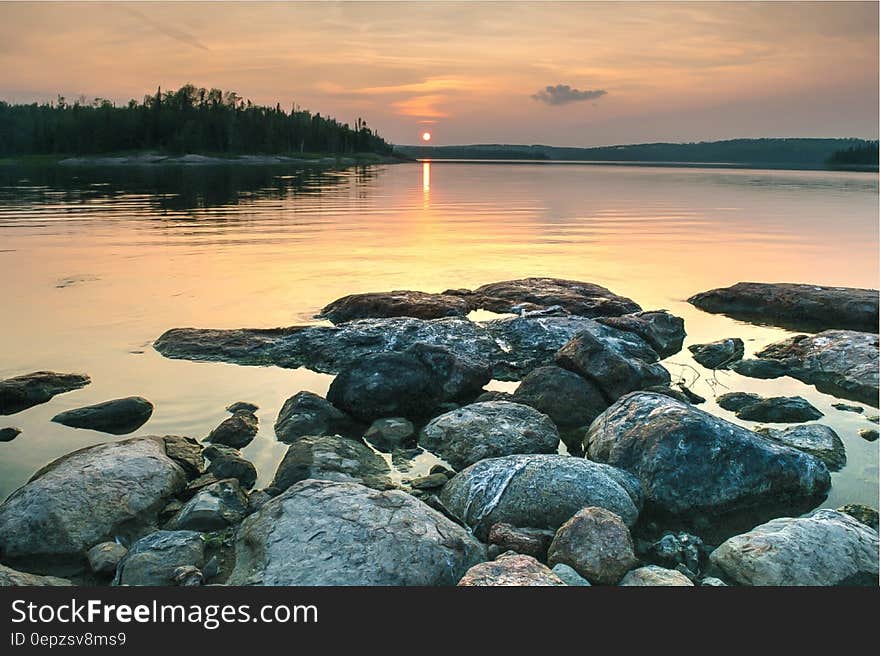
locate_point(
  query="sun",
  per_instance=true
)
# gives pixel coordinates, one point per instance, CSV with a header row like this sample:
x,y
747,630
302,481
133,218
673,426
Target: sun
x,y
426,136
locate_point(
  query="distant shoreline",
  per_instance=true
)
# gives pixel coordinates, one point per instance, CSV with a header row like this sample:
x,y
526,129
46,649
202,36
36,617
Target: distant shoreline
x,y
855,168
152,159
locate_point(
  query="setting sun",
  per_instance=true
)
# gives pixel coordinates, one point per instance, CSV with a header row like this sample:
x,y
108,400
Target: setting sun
x,y
426,136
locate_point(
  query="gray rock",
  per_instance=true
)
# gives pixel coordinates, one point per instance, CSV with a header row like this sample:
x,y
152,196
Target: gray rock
x,y
780,409
495,395
117,417
569,576
429,482
711,581
213,508
510,569
90,496
237,431
399,303
794,306
734,401
846,407
816,439
154,559
227,465
529,541
720,354
306,413
187,576
461,378
662,331
652,575
869,434
330,533
753,368
568,399
332,458
488,430
692,464
390,433
239,406
105,556
596,543
257,499
541,491
674,549
9,434
10,577
827,548
186,452
865,514
23,392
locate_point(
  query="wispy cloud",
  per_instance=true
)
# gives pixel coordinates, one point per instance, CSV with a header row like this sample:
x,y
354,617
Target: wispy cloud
x,y
167,30
562,94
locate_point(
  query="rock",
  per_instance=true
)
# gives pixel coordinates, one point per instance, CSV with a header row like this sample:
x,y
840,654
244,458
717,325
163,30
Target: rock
x,y
330,533
400,303
596,543
720,354
617,364
429,482
225,465
541,491
257,499
843,363
846,407
390,433
213,508
117,417
865,514
826,548
794,306
23,392
186,452
873,419
105,556
440,469
753,368
779,409
10,577
529,541
580,298
187,576
569,576
734,401
494,395
690,395
693,464
461,378
667,391
510,569
9,434
816,439
194,486
237,431
568,399
488,430
332,458
672,550
244,406
89,496
662,331
713,582
306,413
652,575
153,559
869,434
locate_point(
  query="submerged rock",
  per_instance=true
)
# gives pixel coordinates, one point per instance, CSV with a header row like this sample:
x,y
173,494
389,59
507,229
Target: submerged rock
x,y
23,392
720,354
390,433
541,491
528,541
9,434
332,458
306,413
816,439
780,409
213,508
237,431
596,543
694,464
794,306
488,430
662,331
154,559
510,570
652,575
869,434
826,548
10,577
117,417
865,514
753,368
734,401
105,556
330,533
400,303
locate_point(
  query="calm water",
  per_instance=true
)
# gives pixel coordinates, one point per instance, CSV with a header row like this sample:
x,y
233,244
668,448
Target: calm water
x,y
94,265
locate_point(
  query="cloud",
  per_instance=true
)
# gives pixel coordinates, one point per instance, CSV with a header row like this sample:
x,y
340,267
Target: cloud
x,y
562,94
168,30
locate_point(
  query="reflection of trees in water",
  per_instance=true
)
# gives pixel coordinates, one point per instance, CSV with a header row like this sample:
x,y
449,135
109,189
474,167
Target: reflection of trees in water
x,y
173,188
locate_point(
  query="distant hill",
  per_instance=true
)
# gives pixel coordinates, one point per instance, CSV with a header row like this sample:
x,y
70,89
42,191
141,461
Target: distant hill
x,y
772,153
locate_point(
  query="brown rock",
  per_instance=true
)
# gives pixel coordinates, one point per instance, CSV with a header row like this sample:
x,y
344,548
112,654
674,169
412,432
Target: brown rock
x,y
528,541
596,543
510,570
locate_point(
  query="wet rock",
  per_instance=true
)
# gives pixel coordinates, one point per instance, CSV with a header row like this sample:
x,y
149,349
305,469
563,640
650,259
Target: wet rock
x,y
816,439
242,406
228,465
671,392
488,430
794,306
9,434
153,559
105,556
662,331
689,395
569,400
237,431
510,570
846,407
779,409
89,496
827,548
400,303
529,541
117,417
331,458
569,576
429,482
330,533
720,354
652,575
390,433
734,401
10,577
541,491
869,434
865,514
213,508
596,543
843,363
306,413
752,368
691,463
23,392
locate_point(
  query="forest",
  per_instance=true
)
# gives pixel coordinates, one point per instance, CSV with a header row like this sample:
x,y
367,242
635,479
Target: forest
x,y
188,120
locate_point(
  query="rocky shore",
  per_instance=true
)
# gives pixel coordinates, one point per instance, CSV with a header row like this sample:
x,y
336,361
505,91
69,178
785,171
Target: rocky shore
x,y
599,469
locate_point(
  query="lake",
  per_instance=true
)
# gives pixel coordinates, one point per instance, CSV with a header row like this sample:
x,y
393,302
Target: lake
x,y
96,263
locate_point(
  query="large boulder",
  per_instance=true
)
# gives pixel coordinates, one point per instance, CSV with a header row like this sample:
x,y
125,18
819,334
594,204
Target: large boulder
x,y
117,417
153,559
692,464
10,577
816,439
570,400
399,303
306,413
23,392
510,570
596,543
331,533
90,496
332,458
826,548
794,306
719,354
662,331
236,431
488,430
539,491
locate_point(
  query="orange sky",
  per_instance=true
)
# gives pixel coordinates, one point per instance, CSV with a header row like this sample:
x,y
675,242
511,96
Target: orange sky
x,y
476,72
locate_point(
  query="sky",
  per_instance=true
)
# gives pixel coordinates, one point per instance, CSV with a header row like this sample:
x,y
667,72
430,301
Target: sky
x,y
556,73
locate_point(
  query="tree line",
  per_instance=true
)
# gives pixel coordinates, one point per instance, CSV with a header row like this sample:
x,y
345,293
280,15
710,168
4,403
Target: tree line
x,y
188,120
863,154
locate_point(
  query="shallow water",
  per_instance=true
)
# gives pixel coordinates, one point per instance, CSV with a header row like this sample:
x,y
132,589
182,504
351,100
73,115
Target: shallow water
x,y
95,264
